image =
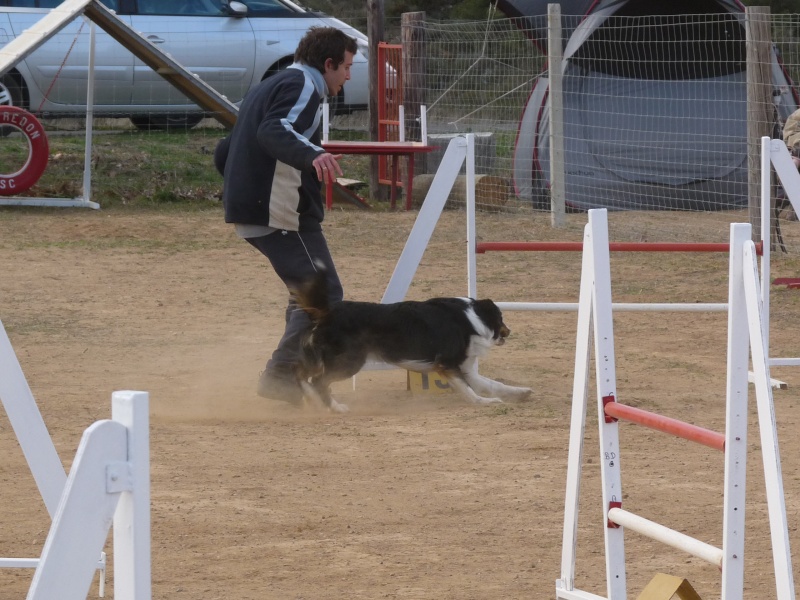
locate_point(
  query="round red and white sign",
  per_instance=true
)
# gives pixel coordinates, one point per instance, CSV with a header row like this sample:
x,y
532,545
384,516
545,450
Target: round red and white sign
x,y
38,150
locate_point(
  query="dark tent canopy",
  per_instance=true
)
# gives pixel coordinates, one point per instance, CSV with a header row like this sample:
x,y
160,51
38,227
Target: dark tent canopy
x,y
654,97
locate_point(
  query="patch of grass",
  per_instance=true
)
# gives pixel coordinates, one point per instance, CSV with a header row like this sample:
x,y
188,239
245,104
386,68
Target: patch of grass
x,y
130,168
501,409
140,169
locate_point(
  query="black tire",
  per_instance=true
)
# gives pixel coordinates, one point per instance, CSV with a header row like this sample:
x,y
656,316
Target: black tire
x,y
11,94
166,122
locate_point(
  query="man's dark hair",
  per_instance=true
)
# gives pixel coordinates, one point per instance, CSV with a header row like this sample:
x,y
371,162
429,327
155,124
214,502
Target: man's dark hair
x,y
321,43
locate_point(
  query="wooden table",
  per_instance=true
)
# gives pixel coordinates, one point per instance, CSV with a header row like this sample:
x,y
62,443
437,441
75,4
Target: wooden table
x,y
393,149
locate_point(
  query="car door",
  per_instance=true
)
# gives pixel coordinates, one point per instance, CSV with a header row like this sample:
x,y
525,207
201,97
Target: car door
x,y
198,34
57,72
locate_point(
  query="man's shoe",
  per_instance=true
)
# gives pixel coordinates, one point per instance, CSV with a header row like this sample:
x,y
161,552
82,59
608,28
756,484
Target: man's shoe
x,y
279,386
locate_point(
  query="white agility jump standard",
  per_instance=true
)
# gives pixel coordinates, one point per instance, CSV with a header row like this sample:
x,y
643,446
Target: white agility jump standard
x,y
109,482
774,153
459,149
109,479
745,342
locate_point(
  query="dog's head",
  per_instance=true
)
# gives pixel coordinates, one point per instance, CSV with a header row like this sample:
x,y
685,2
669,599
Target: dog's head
x,y
491,316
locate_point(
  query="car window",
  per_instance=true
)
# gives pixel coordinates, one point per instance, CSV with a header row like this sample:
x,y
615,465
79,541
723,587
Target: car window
x,y
181,7
112,4
25,3
267,8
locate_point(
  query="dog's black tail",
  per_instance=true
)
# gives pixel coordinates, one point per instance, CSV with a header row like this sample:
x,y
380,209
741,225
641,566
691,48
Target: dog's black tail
x,y
311,295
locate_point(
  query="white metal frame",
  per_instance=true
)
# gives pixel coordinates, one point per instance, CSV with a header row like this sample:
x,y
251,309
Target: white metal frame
x,y
745,342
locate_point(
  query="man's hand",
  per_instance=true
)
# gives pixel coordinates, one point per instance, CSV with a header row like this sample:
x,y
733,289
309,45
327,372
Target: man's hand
x,y
327,167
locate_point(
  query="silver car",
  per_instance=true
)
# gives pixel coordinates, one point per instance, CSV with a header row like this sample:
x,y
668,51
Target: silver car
x,y
230,45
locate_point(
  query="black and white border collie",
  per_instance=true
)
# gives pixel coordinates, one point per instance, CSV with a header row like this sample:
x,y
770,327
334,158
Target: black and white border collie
x,y
445,335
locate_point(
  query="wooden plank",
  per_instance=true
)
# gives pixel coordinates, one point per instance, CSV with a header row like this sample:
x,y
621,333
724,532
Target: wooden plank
x,y
38,33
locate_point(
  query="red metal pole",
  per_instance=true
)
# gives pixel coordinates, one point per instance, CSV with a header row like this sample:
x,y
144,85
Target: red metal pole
x,y
693,433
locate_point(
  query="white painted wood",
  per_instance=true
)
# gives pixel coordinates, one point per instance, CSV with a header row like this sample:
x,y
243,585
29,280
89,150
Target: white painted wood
x,y
606,383
577,430
132,573
29,427
83,518
426,221
667,536
779,531
746,342
738,357
36,35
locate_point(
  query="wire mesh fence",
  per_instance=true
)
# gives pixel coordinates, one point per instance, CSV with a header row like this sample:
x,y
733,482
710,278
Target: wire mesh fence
x,y
654,107
655,115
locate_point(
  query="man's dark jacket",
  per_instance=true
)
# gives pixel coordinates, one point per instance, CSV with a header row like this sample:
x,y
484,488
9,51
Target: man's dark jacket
x,y
266,160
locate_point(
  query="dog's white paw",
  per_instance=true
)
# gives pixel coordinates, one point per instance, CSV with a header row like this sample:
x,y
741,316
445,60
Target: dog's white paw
x,y
338,407
489,401
520,394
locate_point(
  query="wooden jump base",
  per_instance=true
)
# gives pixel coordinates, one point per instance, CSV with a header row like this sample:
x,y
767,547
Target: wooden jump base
x,y
614,411
483,247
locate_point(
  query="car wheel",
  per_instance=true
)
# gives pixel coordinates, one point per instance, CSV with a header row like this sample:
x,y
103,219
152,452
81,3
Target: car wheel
x,y
166,122
11,94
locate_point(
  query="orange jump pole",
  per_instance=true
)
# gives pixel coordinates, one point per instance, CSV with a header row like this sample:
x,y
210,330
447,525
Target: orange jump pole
x,y
614,411
483,247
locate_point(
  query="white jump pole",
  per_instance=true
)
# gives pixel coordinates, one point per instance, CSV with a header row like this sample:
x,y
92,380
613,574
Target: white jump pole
x,y
766,230
87,150
326,120
667,536
423,123
402,127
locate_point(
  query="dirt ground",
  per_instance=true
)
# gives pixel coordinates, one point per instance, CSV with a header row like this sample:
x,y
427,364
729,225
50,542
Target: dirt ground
x,y
407,496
